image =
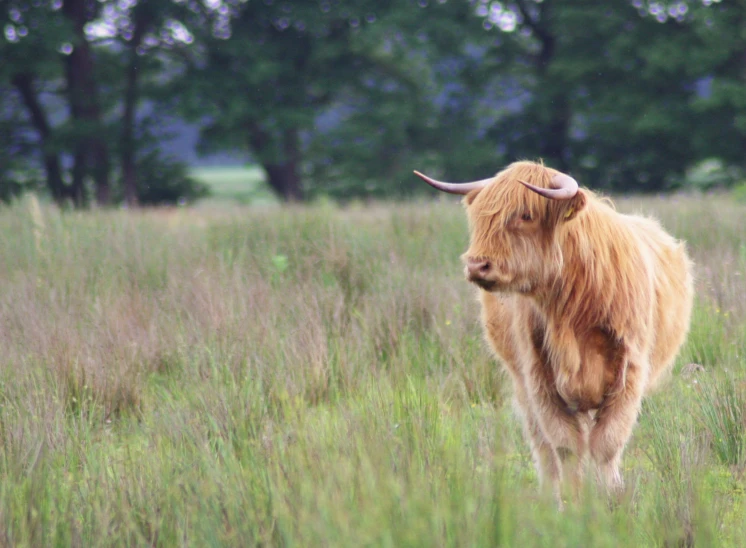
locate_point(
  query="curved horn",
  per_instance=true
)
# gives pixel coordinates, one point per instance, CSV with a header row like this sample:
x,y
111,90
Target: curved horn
x,y
454,188
564,187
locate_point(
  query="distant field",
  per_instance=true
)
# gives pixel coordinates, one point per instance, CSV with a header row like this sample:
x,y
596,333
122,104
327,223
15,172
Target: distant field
x,y
234,184
316,376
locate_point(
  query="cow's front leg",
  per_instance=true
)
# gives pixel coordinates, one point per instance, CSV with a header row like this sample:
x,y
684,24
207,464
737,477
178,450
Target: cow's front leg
x,y
614,423
574,463
546,459
559,427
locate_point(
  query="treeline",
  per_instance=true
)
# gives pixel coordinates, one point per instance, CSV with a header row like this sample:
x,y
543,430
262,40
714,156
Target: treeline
x,y
345,98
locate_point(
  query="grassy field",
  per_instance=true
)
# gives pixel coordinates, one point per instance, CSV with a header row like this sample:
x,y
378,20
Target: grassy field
x,y
316,377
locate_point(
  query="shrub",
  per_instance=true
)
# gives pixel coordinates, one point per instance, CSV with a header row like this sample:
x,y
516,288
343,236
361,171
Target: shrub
x,y
163,180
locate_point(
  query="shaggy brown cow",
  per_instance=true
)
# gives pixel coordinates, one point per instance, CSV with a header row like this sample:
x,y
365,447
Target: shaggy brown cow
x,y
586,307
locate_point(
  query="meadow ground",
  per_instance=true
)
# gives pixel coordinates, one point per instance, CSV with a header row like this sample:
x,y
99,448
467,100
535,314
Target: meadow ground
x,y
316,376
234,185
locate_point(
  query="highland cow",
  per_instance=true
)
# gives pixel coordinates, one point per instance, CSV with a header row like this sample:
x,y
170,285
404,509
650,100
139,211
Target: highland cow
x,y
586,307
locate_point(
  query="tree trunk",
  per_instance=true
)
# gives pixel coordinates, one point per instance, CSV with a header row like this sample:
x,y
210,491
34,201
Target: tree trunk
x,y
92,151
283,168
81,152
101,172
551,101
24,83
141,21
129,166
77,190
556,126
285,181
554,107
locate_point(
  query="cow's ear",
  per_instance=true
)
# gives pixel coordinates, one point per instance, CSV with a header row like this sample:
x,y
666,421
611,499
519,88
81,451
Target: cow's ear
x,y
470,197
574,206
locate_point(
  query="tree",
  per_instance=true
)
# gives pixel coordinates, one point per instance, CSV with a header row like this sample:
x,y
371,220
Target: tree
x,y
434,92
91,151
15,147
610,89
267,69
38,38
635,98
151,37
330,96
29,61
71,65
718,56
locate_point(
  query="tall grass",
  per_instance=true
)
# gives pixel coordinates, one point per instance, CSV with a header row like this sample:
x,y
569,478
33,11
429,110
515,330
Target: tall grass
x,y
723,404
316,376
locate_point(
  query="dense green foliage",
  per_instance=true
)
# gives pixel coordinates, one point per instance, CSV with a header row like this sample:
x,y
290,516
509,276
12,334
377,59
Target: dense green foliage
x,y
317,377
165,181
346,97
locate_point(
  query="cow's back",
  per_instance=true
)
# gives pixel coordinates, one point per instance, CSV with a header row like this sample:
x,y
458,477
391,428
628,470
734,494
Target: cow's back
x,y
674,295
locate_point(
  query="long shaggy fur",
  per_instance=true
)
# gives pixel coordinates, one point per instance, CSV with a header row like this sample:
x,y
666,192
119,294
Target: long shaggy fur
x,y
589,311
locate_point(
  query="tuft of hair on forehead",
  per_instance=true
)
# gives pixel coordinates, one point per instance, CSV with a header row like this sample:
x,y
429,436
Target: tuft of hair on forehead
x,y
506,196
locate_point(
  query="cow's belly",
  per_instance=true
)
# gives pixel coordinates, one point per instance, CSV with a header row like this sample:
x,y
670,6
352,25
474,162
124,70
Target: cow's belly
x,y
601,360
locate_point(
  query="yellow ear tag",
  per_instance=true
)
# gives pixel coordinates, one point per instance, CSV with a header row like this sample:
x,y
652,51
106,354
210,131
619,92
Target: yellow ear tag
x,y
569,212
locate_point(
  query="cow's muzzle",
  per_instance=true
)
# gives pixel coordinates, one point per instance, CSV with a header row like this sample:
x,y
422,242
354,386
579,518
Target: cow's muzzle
x,y
477,269
482,272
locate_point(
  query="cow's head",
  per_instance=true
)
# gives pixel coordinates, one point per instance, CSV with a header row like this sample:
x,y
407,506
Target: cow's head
x,y
514,218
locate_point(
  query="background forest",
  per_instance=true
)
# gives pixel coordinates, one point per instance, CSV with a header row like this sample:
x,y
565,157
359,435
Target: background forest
x,y
121,101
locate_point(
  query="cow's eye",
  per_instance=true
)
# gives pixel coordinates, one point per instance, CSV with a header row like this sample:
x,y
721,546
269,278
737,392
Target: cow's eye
x,y
526,217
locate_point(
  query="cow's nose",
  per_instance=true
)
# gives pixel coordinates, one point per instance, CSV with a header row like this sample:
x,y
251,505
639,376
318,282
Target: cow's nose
x,y
478,268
